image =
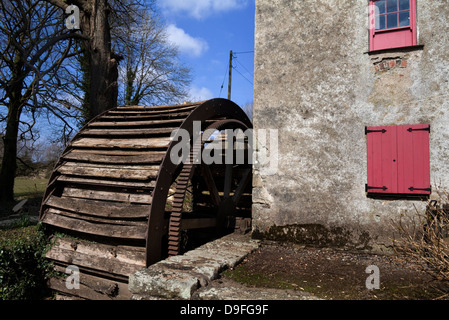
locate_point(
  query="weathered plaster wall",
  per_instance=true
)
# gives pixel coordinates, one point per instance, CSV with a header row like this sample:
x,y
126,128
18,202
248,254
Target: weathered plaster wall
x,y
316,83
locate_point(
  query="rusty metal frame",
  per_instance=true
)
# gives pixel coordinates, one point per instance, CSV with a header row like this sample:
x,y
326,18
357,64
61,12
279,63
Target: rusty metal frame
x,y
215,109
188,169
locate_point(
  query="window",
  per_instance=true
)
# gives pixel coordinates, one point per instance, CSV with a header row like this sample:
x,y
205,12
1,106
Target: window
x,y
392,24
398,160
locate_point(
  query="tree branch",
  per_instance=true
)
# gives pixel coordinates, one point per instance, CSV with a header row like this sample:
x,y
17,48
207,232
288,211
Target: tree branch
x,y
82,4
52,42
24,163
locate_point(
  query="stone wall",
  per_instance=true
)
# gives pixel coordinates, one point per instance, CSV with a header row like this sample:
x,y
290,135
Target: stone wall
x,y
317,84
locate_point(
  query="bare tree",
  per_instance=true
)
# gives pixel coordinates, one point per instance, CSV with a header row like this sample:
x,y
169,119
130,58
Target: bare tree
x,y
34,45
41,73
101,62
151,72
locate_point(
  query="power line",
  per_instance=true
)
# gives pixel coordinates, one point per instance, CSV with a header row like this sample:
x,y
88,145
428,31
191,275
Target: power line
x,y
243,66
242,75
224,79
246,69
244,52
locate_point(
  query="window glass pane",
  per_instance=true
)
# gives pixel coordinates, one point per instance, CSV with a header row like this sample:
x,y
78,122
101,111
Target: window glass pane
x,y
392,5
380,22
404,19
404,4
380,7
392,20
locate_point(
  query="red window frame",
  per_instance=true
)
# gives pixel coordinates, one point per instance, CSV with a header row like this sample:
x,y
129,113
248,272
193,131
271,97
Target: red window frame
x,y
381,36
398,159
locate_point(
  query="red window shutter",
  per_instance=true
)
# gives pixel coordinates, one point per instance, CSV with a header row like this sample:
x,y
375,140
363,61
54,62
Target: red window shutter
x,y
398,159
413,159
382,167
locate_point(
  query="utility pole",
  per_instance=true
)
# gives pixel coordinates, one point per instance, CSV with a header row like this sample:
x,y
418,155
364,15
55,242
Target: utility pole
x,y
230,75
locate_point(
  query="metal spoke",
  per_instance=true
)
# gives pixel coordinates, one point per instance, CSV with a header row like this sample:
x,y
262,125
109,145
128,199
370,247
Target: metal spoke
x,y
227,181
242,185
208,178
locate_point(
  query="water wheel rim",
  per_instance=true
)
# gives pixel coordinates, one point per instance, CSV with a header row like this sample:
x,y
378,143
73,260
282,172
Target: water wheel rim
x,y
217,109
225,205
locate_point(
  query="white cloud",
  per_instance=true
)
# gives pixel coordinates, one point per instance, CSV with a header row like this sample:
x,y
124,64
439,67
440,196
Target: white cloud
x,y
186,43
202,8
200,94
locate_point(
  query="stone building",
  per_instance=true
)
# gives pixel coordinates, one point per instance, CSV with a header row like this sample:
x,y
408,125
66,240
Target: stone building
x,y
330,75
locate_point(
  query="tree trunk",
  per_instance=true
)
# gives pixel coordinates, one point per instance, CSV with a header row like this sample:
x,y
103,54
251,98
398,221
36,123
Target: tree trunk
x,y
130,77
9,161
102,65
9,165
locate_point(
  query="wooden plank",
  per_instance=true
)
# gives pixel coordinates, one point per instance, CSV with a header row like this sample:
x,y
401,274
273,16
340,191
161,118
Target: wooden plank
x,y
141,185
101,220
144,117
151,110
128,132
113,166
116,152
91,260
143,173
96,272
125,197
125,254
99,208
107,230
144,143
92,288
116,124
109,173
79,155
167,107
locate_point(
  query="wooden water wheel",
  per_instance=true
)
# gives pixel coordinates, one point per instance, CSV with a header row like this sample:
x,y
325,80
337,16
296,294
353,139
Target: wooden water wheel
x,y
117,202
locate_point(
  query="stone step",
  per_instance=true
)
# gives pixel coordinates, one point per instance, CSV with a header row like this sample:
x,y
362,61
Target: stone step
x,y
179,277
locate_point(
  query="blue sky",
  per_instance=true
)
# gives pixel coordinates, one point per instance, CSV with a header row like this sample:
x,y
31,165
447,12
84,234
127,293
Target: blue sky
x,y
205,31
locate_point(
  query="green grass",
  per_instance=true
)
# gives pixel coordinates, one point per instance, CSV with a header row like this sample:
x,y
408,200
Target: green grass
x,y
26,187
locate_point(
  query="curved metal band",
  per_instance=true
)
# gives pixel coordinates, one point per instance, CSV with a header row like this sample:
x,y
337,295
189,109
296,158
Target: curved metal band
x,y
209,110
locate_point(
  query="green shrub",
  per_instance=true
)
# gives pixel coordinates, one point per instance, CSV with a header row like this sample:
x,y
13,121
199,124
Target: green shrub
x,y
23,267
